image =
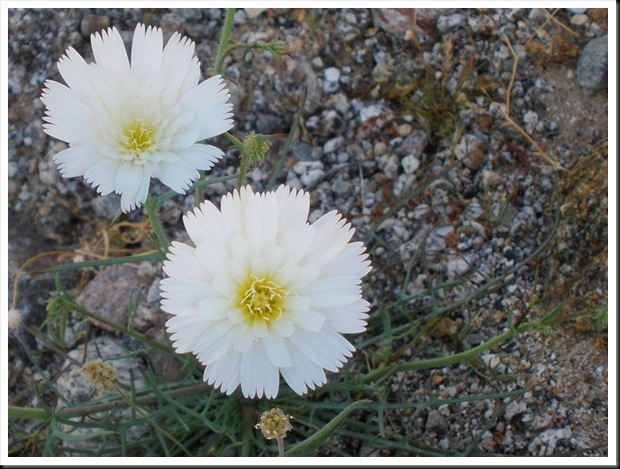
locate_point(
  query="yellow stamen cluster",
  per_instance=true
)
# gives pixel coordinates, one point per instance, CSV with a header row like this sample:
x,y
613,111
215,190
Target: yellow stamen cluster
x,y
137,137
261,298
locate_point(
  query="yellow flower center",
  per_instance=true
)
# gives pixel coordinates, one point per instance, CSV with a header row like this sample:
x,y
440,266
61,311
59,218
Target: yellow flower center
x,y
261,299
137,137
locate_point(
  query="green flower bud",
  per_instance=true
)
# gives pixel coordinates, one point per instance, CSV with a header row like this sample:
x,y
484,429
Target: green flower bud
x,y
255,146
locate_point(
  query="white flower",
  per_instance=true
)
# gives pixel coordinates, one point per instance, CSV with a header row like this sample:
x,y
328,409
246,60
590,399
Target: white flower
x,y
264,292
128,122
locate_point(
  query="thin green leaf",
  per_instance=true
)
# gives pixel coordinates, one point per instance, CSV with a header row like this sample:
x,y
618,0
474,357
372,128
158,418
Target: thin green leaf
x,y
289,141
309,446
77,437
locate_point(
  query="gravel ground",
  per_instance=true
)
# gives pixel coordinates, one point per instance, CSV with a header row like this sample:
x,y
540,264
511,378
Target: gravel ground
x,y
402,133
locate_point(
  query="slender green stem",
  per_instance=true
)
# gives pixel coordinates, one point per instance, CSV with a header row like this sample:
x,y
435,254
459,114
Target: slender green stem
x,y
151,205
289,141
28,413
217,70
234,140
199,191
199,184
138,335
440,362
249,420
243,169
149,420
243,162
80,411
224,40
280,441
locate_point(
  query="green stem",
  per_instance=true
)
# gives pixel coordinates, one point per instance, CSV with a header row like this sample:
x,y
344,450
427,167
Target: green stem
x,y
81,411
199,191
224,40
280,441
243,164
249,421
28,413
145,339
289,141
243,169
217,70
151,205
149,420
199,184
441,362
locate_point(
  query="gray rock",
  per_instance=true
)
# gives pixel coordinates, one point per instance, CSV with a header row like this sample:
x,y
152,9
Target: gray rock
x,y
449,23
302,151
268,124
114,289
410,164
341,188
332,145
414,144
309,172
331,76
436,422
593,64
368,112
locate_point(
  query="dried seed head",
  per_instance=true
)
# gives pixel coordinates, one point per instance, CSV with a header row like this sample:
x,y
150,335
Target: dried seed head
x,y
274,424
14,319
100,373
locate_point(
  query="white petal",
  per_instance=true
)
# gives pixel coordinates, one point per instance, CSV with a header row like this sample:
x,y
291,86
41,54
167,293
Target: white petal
x,y
310,320
178,176
102,175
244,339
146,51
110,55
349,319
200,156
179,63
182,290
75,161
185,330
326,348
136,191
352,260
225,372
276,349
258,375
68,117
210,93
334,299
205,226
181,262
303,372
73,69
215,342
332,234
215,308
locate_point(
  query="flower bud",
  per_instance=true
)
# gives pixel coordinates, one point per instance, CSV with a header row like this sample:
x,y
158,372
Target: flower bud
x,y
255,146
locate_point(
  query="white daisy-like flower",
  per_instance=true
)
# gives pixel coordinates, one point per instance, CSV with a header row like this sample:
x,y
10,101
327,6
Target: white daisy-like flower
x,y
264,293
126,122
